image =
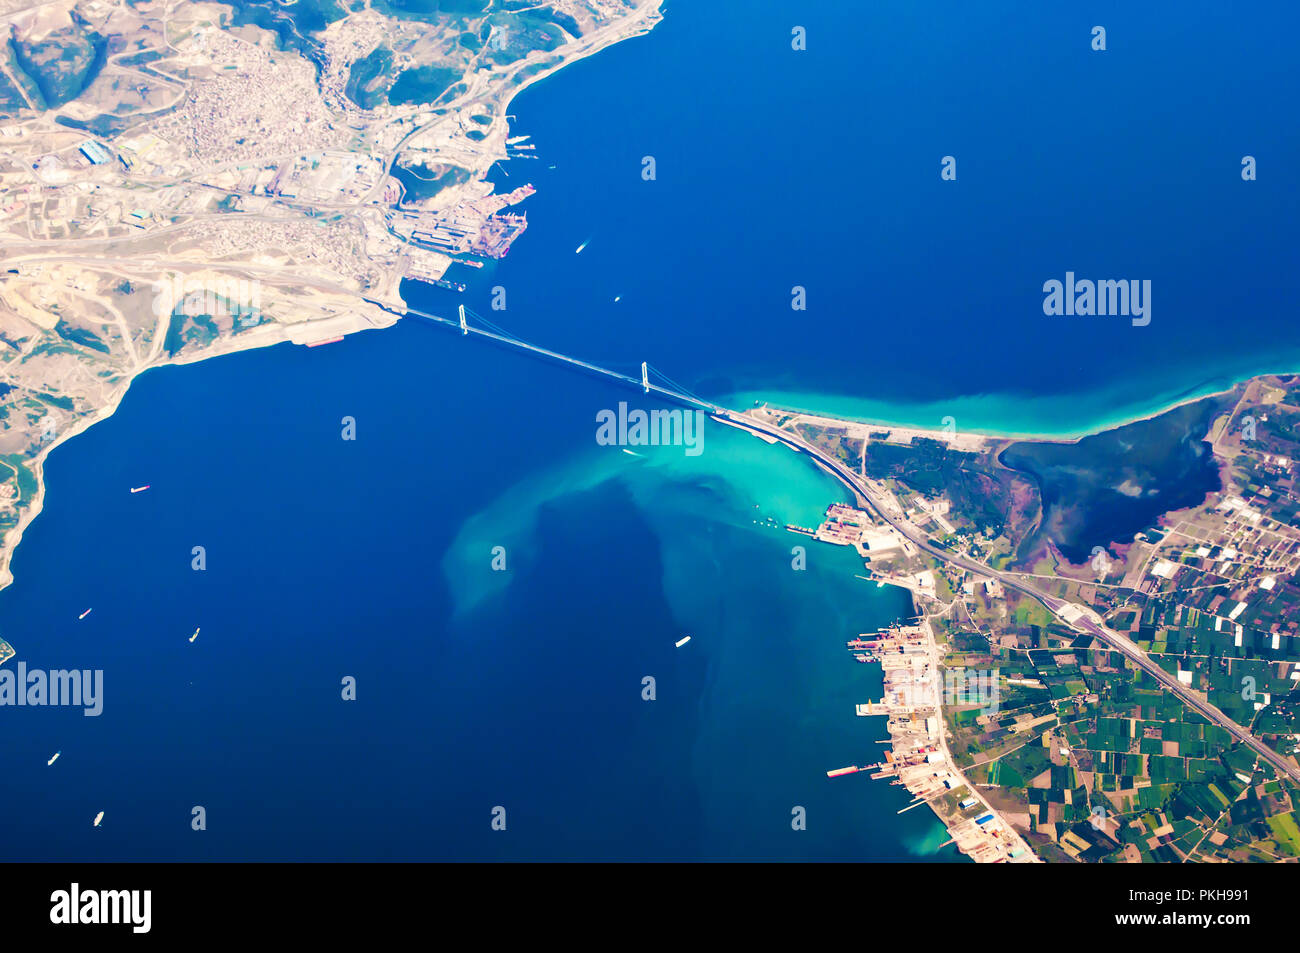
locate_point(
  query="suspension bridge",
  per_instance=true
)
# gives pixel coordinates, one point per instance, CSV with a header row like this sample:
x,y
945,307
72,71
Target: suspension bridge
x,y
653,381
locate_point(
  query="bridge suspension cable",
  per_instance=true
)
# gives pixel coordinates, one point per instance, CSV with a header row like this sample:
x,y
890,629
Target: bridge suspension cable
x,y
622,369
863,492
483,327
679,389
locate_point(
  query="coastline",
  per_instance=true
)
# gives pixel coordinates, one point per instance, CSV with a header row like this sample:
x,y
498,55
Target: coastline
x,y
11,540
906,421
640,22
919,758
764,687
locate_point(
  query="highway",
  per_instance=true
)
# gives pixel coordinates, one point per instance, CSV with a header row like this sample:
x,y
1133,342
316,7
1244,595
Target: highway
x,y
1076,619
1080,622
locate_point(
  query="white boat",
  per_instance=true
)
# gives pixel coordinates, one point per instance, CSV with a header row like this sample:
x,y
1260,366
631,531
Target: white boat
x,y
683,641
98,817
84,614
54,759
578,250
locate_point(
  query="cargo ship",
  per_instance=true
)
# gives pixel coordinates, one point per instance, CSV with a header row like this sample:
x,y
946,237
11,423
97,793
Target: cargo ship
x,y
140,489
55,758
682,641
98,817
84,614
195,635
333,340
840,772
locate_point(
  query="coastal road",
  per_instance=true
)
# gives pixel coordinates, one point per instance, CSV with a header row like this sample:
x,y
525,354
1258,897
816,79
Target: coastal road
x,y
1077,617
1074,616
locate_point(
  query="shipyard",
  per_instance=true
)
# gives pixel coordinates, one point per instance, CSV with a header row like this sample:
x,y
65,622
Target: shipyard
x,y
475,226
918,758
913,677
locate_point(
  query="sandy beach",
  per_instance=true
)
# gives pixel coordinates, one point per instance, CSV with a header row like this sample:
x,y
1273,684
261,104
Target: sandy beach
x,y
977,438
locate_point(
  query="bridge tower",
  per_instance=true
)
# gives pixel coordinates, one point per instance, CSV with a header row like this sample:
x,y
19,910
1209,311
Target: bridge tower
x,y
645,377
464,328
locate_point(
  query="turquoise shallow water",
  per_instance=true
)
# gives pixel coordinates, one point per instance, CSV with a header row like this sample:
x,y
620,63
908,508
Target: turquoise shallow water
x,y
1054,418
772,688
475,688
820,169
522,688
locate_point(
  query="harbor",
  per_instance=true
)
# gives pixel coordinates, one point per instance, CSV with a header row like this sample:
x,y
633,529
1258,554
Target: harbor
x,y
436,238
476,226
918,757
911,664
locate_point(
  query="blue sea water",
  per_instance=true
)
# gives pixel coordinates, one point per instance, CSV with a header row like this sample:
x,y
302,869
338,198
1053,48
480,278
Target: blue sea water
x,y
821,169
372,558
522,688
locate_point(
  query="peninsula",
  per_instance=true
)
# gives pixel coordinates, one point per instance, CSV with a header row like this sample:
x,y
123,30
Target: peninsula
x,y
1106,625
181,180
1105,642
